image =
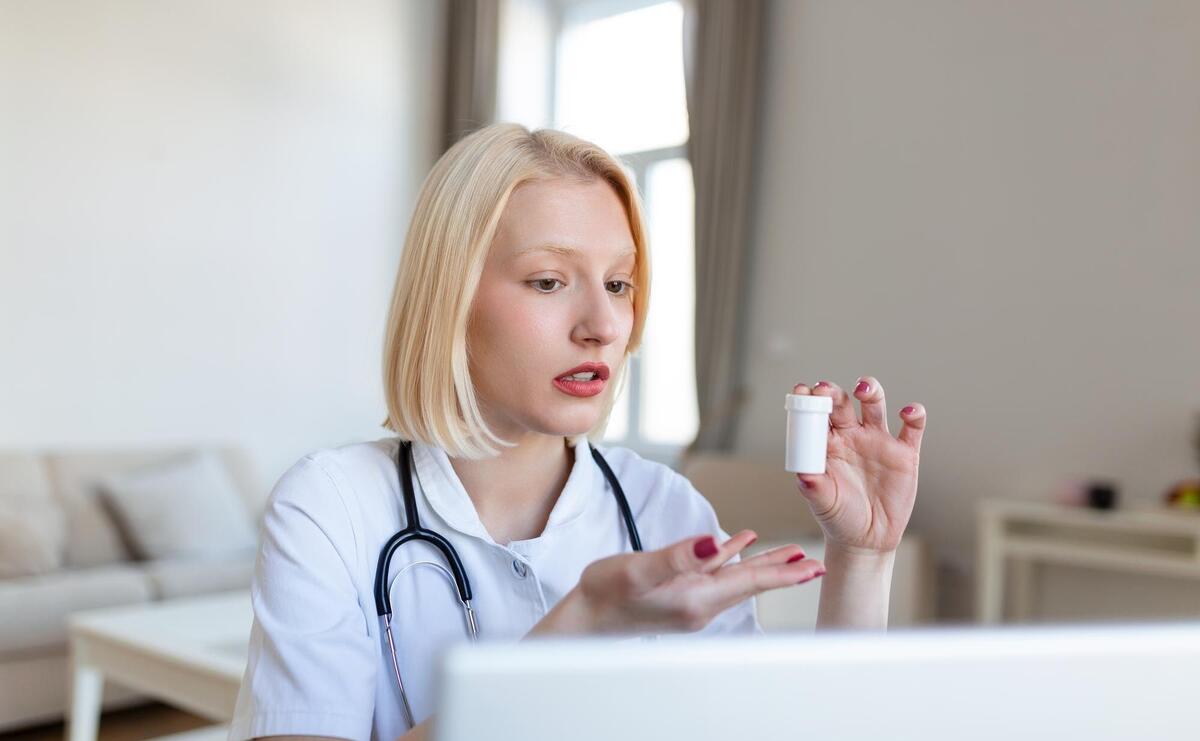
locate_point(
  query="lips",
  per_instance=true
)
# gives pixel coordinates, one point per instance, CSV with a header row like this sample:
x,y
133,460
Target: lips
x,y
583,389
600,369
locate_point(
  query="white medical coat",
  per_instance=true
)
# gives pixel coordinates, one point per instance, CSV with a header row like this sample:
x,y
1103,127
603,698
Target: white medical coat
x,y
318,660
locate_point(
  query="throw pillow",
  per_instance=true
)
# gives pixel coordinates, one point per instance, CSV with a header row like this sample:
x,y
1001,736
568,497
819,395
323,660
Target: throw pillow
x,y
189,506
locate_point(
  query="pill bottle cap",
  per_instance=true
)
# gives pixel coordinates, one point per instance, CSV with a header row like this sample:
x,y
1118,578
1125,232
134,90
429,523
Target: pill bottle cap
x,y
808,403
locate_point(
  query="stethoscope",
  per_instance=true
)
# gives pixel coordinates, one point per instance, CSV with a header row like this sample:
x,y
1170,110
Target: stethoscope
x,y
455,572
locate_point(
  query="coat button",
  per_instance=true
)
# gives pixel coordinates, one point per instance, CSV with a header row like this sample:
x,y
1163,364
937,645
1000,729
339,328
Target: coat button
x,y
519,569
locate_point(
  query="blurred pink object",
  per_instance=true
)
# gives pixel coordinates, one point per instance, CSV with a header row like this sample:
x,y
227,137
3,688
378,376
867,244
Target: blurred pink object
x,y
1072,493
1094,493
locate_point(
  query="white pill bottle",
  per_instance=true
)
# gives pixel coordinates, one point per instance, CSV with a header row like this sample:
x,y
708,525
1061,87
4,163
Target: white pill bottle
x,y
807,432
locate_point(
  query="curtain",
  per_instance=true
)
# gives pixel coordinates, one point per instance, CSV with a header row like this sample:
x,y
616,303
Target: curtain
x,y
721,67
472,59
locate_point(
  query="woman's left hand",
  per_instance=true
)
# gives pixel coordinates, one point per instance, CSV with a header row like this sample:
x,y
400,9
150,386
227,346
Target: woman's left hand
x,y
864,499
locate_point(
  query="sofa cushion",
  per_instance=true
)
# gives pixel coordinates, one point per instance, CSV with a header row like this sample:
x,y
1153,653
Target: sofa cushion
x,y
32,526
92,537
23,476
186,506
184,577
31,540
35,608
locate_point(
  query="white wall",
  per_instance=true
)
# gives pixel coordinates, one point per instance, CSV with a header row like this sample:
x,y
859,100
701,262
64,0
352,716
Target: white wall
x,y
202,207
991,206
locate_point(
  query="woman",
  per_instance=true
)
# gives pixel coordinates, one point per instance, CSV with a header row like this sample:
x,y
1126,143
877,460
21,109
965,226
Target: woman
x,y
521,294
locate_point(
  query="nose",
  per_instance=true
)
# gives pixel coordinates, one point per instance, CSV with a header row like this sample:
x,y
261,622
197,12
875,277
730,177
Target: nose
x,y
598,320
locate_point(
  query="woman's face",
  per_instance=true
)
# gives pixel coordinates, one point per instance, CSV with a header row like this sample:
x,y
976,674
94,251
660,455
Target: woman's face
x,y
555,294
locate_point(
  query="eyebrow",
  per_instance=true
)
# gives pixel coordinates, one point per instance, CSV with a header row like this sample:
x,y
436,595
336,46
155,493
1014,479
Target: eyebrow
x,y
569,252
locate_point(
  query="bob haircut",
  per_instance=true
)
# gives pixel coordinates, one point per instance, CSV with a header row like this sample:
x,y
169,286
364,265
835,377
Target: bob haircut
x,y
426,377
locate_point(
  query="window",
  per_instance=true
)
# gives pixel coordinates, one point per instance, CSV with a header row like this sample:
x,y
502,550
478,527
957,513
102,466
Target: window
x,y
611,71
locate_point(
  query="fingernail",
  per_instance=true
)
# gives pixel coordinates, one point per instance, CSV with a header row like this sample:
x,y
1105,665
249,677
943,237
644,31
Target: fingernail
x,y
706,548
908,410
862,388
821,385
803,483
798,557
814,576
751,541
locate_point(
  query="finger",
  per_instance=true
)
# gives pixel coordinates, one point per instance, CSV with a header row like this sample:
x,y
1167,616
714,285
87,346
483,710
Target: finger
x,y
820,491
870,398
801,389
789,553
913,417
843,409
733,585
687,556
729,549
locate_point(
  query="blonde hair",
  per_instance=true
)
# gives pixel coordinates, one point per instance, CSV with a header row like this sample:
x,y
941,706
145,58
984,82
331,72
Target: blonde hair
x,y
427,381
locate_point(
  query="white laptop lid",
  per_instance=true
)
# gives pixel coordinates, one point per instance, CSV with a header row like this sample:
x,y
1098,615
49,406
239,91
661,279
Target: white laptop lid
x,y
1010,684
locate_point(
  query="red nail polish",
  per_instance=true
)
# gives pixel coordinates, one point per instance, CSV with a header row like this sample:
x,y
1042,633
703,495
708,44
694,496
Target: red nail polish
x,y
908,410
705,548
821,385
815,575
803,483
797,557
862,388
752,541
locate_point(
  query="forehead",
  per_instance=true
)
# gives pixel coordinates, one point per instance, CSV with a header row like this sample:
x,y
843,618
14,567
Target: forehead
x,y
583,216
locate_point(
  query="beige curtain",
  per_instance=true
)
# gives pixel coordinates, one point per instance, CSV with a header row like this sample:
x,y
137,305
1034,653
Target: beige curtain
x,y
472,58
721,48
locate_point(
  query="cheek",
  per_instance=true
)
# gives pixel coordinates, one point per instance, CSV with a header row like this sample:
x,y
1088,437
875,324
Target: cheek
x,y
628,316
510,331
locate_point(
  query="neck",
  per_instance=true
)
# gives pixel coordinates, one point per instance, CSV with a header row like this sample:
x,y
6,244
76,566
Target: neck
x,y
514,492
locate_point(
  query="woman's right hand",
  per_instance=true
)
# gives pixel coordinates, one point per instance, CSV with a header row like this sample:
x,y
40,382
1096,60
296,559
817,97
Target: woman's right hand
x,y
680,588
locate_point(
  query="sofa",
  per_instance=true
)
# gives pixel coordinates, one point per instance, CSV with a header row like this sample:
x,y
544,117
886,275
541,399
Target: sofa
x,y
67,551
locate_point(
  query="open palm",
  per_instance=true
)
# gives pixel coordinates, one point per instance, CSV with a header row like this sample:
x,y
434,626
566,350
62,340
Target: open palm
x,y
864,499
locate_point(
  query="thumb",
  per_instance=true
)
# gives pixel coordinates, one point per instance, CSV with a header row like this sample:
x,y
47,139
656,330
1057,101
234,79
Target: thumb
x,y
819,490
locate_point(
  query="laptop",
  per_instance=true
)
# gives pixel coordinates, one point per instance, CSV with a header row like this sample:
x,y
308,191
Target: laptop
x,y
1098,683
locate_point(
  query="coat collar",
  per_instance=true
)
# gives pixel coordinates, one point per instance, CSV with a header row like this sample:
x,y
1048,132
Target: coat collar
x,y
444,492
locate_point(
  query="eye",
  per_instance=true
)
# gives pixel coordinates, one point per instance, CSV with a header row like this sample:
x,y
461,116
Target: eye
x,y
544,285
622,287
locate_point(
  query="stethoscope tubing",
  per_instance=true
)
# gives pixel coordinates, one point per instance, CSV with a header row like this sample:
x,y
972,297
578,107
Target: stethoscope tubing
x,y
413,531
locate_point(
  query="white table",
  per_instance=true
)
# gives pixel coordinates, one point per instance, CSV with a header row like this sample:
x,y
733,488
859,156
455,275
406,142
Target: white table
x,y
1018,535
190,653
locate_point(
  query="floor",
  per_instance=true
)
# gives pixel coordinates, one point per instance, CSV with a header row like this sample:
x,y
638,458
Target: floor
x,y
132,724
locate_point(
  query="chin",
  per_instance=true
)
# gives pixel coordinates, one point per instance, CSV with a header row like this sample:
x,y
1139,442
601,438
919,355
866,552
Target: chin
x,y
567,425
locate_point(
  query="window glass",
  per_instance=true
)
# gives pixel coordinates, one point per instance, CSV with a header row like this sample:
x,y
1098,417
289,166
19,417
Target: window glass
x,y
668,393
620,79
